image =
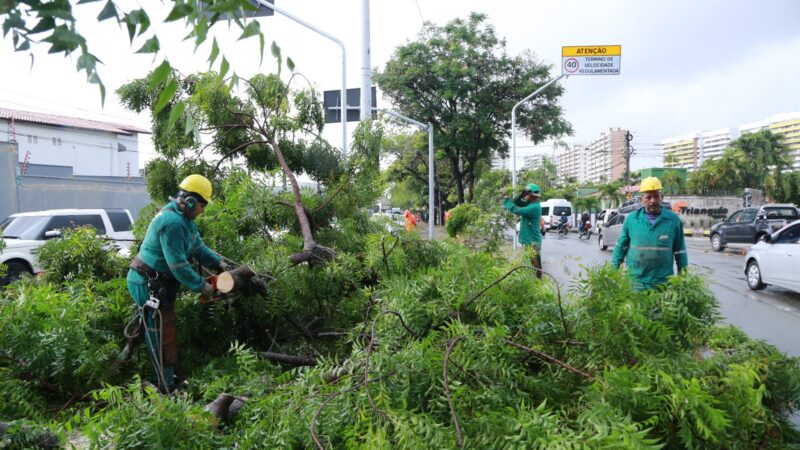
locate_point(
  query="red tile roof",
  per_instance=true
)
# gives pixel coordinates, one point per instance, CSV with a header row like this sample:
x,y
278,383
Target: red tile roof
x,y
69,122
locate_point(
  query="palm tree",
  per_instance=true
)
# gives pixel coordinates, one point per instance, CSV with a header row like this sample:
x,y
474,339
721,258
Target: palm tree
x,y
610,193
673,181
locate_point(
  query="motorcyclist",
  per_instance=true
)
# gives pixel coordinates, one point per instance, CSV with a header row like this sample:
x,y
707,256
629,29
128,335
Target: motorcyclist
x,y
563,222
585,220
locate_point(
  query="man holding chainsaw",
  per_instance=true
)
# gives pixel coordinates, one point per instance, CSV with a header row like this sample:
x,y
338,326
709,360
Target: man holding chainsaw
x,y
163,264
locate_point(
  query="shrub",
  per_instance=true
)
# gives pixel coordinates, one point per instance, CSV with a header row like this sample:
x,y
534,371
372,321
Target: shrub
x,y
79,255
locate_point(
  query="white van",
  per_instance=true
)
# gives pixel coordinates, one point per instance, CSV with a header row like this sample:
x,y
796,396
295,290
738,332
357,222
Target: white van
x,y
551,212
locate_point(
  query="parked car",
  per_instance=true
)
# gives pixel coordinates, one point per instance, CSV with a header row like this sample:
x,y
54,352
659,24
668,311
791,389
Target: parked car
x,y
551,212
749,225
608,235
775,259
23,233
604,216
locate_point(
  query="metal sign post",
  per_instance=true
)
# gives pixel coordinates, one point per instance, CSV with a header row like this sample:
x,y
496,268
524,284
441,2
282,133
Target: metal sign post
x,y
429,129
267,4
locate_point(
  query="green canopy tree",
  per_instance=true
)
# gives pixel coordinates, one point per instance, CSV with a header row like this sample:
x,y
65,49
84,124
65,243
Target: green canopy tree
x,y
758,160
460,78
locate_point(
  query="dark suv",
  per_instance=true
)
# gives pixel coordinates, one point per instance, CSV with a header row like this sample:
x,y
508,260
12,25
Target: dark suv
x,y
748,225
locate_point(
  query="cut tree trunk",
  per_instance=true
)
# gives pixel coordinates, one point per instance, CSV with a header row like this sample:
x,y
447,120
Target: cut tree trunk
x,y
241,279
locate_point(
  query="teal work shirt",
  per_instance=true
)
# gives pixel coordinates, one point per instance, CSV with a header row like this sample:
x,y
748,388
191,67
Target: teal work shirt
x,y
170,242
530,214
649,250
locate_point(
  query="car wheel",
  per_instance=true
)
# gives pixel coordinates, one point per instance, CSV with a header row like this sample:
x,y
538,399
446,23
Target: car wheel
x,y
14,271
716,243
601,243
754,276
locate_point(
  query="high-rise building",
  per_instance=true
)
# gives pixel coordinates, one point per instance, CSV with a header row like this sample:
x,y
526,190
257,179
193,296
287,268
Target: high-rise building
x,y
712,143
571,163
682,151
533,162
787,124
605,156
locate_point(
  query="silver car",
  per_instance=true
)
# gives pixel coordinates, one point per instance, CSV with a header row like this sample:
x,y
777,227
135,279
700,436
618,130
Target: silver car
x,y
609,234
775,260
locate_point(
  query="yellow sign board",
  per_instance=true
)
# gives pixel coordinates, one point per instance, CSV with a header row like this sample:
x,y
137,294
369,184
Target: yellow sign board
x,y
591,59
592,50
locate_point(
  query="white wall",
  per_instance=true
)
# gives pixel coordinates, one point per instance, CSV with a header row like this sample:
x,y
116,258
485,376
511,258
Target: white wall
x,y
88,152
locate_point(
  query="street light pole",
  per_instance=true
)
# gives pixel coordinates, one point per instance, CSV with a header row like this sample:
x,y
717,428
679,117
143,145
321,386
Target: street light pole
x,y
514,130
289,15
429,128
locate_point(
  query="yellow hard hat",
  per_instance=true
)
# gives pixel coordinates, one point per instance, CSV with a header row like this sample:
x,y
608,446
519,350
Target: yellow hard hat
x,y
650,184
197,184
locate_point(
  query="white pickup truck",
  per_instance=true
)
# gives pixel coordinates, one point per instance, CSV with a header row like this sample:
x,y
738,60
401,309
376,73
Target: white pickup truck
x,y
23,233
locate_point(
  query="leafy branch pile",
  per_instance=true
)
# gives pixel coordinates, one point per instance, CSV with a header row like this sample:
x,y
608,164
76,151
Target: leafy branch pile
x,y
401,343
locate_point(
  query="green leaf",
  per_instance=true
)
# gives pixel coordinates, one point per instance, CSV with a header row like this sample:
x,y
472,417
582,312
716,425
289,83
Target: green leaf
x,y
214,53
81,2
109,11
223,68
175,113
261,48
290,64
150,46
166,95
87,62
47,23
250,30
200,32
63,39
159,75
276,51
179,11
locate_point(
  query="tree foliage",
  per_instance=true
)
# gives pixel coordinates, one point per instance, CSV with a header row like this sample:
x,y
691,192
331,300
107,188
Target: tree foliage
x,y
459,78
759,160
414,344
53,24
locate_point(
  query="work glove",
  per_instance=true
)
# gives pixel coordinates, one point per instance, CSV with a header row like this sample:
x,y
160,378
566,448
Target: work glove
x,y
207,293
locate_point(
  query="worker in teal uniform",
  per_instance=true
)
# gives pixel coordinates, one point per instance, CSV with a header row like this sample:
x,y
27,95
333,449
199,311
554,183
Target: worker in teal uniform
x,y
527,206
164,264
650,240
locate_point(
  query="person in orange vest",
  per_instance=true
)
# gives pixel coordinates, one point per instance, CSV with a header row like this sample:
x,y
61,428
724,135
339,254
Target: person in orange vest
x,y
411,221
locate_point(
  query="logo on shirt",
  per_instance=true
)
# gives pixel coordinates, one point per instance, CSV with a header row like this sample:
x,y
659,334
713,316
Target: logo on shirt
x,y
663,237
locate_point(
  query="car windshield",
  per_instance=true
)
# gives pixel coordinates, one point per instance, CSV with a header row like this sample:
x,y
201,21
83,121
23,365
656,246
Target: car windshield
x,y
558,210
787,213
24,227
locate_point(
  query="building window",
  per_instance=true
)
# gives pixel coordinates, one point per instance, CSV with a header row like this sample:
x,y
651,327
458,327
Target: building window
x,y
33,139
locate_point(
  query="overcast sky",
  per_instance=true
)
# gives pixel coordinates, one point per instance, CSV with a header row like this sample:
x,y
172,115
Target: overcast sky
x,y
686,65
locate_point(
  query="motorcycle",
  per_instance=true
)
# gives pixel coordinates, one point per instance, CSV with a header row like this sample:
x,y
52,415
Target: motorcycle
x,y
586,231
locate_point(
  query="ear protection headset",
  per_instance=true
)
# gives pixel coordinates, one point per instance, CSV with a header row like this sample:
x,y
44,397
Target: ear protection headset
x,y
189,200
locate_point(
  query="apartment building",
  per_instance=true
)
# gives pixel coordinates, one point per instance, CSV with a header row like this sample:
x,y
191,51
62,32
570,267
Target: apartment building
x,y
682,151
712,143
605,156
787,124
571,163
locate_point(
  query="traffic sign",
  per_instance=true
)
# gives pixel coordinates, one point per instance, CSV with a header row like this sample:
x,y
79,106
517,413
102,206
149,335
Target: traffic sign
x,y
591,60
332,102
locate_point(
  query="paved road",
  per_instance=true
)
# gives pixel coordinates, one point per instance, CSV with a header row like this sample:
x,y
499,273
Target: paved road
x,y
772,315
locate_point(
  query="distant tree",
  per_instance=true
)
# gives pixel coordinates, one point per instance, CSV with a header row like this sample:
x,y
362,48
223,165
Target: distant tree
x,y
757,160
459,78
610,193
673,182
